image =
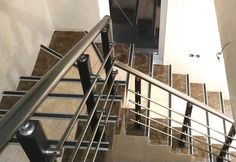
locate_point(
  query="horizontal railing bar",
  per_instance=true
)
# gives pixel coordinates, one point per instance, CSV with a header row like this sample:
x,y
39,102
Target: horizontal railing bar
x,y
171,90
103,128
71,144
54,116
145,125
58,95
146,108
99,120
178,131
25,107
176,112
85,128
80,108
36,78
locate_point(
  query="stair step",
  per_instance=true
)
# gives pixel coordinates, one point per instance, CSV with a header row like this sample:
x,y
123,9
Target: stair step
x,y
214,100
175,146
160,72
130,125
179,82
198,154
60,95
61,42
215,150
141,62
228,109
156,137
197,91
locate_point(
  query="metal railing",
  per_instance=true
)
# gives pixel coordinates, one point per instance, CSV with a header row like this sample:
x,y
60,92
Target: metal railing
x,y
186,124
16,120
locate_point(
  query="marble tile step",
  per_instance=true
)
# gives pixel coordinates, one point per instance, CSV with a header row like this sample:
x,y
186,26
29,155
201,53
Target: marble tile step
x,y
155,137
61,42
176,132
122,51
216,151
61,95
197,92
160,72
179,82
214,100
141,62
131,128
233,158
228,109
198,154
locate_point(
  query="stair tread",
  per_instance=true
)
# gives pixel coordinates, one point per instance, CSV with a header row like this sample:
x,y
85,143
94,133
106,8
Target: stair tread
x,y
141,62
160,72
175,145
198,154
155,136
179,82
214,100
228,109
130,125
197,91
8,101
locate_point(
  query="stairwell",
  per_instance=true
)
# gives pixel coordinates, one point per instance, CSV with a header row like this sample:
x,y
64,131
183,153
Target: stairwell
x,y
125,141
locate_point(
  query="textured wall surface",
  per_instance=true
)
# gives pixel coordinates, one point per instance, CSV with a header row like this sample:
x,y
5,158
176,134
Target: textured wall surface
x,y
227,26
24,26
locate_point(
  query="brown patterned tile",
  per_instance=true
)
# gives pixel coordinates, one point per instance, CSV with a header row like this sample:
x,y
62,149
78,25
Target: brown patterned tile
x,y
8,101
214,100
25,85
197,91
215,150
199,155
141,62
160,72
233,156
63,41
179,82
130,125
228,109
158,137
175,142
122,52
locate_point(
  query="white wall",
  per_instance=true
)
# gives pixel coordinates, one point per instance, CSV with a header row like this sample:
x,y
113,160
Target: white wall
x,y
227,24
24,25
191,28
77,15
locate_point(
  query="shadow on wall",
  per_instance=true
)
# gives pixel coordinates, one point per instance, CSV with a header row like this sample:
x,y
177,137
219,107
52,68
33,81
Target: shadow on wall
x,y
24,26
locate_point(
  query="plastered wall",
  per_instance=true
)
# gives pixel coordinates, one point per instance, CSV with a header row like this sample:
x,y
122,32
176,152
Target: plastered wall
x,y
226,11
24,25
191,28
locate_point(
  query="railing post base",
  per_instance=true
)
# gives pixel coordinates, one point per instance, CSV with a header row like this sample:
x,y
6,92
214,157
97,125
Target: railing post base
x,y
34,142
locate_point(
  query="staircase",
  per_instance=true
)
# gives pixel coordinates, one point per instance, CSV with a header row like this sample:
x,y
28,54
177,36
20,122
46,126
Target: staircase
x,y
142,112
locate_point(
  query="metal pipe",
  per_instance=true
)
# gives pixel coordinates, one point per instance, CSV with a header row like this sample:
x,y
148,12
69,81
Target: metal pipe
x,y
184,116
180,124
103,127
171,90
79,110
99,120
176,138
25,107
90,118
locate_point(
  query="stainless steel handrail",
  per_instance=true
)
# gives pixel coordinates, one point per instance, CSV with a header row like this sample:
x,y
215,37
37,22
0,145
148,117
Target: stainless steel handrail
x,y
23,109
171,90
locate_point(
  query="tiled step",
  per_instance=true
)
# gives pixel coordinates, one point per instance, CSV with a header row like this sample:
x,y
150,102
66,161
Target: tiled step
x,y
160,72
175,142
155,137
198,154
214,100
228,109
179,82
197,91
131,128
215,150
